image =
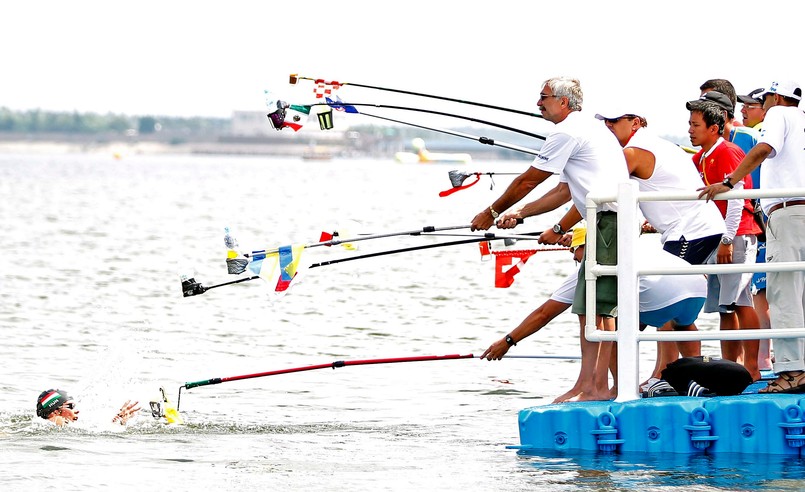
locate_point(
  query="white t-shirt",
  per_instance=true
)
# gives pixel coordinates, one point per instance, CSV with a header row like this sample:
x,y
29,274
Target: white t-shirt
x,y
784,130
659,291
587,157
567,290
656,291
674,172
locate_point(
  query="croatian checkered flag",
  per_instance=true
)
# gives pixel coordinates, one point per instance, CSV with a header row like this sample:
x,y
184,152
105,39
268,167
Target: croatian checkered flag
x,y
324,88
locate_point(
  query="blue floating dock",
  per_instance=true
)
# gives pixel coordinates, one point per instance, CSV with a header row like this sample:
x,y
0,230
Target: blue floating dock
x,y
750,423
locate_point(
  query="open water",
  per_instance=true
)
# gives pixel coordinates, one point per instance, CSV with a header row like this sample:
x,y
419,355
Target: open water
x,y
90,302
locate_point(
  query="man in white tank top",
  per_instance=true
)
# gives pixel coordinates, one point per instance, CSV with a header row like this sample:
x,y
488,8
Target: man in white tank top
x,y
689,229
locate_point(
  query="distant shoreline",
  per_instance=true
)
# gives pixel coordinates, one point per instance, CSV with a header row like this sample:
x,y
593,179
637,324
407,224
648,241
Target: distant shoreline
x,y
109,148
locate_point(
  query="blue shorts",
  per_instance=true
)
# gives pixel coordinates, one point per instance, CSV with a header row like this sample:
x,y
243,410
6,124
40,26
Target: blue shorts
x,y
683,313
759,278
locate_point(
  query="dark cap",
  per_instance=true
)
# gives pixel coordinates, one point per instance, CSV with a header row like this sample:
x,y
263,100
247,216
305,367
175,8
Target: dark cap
x,y
49,401
713,97
752,98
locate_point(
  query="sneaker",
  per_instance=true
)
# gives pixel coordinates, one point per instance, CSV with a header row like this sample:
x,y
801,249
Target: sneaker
x,y
660,388
695,389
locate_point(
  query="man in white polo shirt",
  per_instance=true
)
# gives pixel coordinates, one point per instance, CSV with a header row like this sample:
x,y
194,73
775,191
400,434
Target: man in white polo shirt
x,y
781,150
587,157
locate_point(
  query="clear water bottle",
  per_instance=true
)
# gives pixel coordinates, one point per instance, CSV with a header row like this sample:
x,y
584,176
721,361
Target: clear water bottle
x,y
229,240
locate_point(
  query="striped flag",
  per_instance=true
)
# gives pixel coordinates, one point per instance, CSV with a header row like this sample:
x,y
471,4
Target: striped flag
x,y
265,265
49,398
289,257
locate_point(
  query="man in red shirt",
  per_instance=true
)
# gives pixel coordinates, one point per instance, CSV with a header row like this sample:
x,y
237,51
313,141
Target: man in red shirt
x,y
727,294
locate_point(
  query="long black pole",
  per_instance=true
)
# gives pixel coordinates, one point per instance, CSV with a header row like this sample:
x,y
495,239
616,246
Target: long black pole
x,y
342,104
483,140
295,77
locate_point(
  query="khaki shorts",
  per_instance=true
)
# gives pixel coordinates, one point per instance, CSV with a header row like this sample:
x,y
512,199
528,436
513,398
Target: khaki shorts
x,y
606,287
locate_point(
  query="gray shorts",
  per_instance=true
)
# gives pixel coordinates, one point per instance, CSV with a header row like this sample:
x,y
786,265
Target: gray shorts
x,y
725,291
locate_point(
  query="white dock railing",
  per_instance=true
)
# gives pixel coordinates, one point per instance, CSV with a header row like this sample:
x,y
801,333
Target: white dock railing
x,y
628,334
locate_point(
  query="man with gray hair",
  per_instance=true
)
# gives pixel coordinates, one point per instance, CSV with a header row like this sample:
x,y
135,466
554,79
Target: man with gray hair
x,y
587,158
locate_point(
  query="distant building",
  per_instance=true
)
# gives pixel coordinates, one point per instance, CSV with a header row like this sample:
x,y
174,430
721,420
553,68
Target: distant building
x,y
251,124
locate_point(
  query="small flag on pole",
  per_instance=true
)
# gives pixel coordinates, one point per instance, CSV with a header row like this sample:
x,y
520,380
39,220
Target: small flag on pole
x,y
508,264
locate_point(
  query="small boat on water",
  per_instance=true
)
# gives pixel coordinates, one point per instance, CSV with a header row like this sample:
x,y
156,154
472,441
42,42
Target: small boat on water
x,y
424,156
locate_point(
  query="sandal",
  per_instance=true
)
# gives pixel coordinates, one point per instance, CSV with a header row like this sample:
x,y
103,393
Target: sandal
x,y
786,382
660,388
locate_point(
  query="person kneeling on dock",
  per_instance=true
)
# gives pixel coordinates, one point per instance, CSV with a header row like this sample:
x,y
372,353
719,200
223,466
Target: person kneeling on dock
x,y
677,299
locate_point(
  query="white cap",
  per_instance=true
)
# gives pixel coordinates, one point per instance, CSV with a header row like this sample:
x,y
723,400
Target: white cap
x,y
616,111
787,88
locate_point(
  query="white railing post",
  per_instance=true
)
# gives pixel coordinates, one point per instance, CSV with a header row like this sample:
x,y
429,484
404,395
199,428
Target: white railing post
x,y
628,292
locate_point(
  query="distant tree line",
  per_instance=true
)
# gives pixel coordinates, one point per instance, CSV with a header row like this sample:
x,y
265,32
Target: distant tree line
x,y
39,121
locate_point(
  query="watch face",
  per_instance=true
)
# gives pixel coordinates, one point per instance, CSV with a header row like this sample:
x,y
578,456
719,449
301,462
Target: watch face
x,y
557,229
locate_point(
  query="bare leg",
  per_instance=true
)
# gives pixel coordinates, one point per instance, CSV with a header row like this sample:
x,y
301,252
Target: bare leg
x,y
589,356
764,346
667,352
689,348
613,369
730,349
600,389
748,319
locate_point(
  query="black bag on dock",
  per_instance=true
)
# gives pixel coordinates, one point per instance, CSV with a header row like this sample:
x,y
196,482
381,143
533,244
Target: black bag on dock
x,y
721,376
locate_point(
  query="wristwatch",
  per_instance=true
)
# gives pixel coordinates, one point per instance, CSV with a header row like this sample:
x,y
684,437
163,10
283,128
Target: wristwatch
x,y
510,341
558,229
726,240
728,183
495,215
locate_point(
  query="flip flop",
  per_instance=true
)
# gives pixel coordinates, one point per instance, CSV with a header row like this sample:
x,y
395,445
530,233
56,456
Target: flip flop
x,y
790,388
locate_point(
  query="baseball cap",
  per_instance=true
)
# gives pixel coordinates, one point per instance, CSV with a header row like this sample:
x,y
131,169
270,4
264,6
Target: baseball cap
x,y
579,236
617,111
714,97
752,98
49,401
787,88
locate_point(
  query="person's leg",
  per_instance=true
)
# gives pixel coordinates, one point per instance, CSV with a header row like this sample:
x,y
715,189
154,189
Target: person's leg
x,y
764,346
747,319
667,352
689,348
730,349
599,389
589,356
786,293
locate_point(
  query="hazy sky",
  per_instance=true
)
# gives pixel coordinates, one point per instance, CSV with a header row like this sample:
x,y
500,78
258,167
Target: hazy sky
x,y
204,58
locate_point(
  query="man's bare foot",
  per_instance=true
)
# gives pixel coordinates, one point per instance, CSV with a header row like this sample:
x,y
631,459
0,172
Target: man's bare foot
x,y
594,396
574,392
